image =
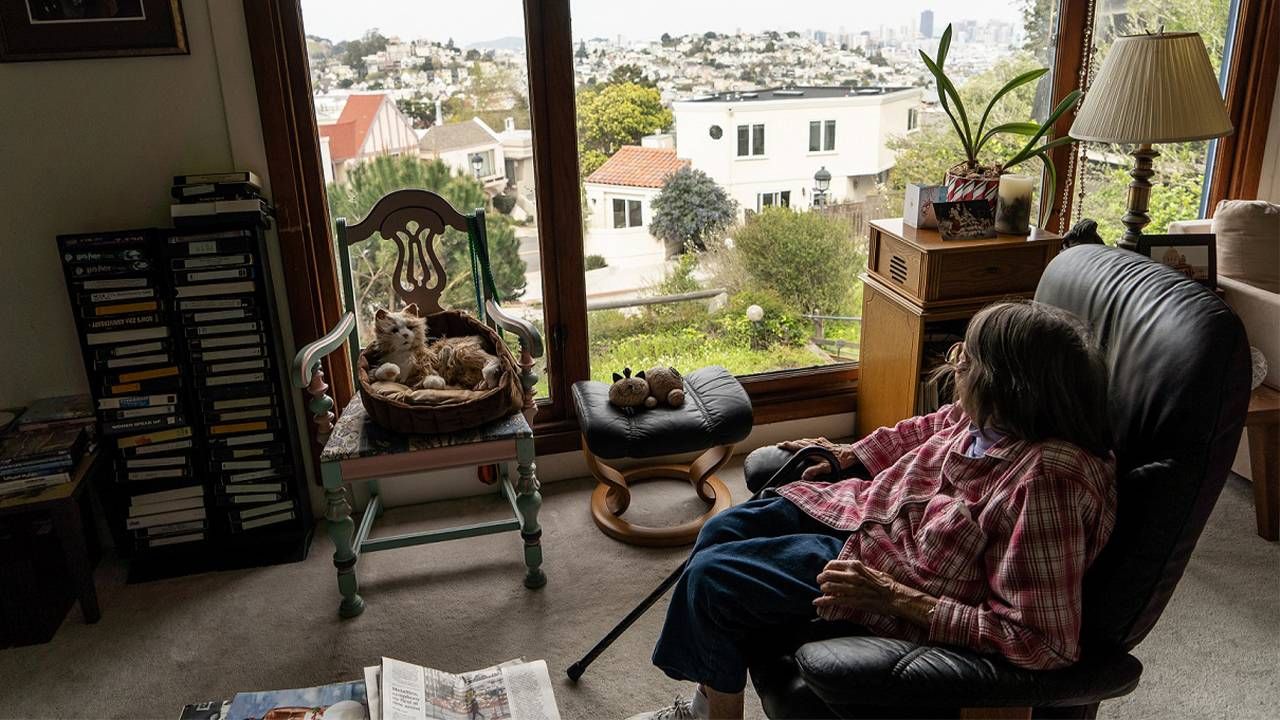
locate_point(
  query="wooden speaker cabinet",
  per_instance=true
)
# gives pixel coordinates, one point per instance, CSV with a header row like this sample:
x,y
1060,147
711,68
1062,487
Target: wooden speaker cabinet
x,y
919,294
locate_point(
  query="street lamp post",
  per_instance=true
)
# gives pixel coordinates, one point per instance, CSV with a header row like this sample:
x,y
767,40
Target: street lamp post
x,y
821,183
755,314
477,164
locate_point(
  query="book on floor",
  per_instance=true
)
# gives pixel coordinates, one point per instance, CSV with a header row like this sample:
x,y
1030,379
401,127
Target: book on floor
x,y
341,701
513,690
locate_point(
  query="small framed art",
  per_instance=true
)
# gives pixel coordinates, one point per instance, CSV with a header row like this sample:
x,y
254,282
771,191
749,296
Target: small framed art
x,y
1192,255
70,29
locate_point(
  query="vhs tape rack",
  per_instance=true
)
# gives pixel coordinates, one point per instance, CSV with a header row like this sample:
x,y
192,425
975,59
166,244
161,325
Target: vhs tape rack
x,y
219,486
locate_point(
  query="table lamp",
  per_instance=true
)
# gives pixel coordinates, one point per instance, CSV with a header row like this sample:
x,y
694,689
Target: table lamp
x,y
1151,89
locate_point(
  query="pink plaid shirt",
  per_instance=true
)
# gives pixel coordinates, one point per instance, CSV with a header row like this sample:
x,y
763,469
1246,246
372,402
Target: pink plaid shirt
x,y
1001,540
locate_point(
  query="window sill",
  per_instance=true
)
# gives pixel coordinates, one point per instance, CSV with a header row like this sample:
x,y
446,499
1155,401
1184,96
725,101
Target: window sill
x,y
751,157
821,153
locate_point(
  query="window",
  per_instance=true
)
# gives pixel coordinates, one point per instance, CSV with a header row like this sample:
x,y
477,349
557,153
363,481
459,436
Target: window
x,y
420,56
481,164
779,199
913,119
626,213
822,136
750,140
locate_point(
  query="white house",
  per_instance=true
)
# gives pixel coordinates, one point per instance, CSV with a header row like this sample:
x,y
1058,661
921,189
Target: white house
x,y
470,147
765,146
366,126
517,153
619,197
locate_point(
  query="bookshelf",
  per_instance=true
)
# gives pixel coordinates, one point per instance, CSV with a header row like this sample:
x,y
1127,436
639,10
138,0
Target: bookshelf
x,y
918,296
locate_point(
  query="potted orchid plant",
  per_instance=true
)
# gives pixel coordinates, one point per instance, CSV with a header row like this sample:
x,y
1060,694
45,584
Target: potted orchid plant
x,y
974,178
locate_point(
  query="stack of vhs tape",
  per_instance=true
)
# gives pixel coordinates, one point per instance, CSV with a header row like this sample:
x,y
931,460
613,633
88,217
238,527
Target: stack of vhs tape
x,y
136,375
218,199
222,302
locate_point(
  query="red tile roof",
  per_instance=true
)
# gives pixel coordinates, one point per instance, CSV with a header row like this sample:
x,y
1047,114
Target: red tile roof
x,y
636,166
347,135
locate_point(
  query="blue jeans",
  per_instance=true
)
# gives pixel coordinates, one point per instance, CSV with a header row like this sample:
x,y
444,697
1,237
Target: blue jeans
x,y
755,566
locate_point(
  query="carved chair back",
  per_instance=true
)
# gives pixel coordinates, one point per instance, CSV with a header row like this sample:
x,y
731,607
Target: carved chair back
x,y
417,222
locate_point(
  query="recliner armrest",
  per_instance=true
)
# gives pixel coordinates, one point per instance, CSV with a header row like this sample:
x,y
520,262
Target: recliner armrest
x,y
858,671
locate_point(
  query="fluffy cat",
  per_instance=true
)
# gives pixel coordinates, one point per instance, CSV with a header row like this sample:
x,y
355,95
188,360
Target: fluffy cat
x,y
400,344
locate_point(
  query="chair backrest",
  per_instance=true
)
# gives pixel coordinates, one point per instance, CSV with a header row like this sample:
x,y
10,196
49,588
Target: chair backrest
x,y
417,222
1178,365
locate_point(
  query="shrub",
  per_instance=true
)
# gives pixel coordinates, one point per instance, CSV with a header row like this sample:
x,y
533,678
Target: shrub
x,y
808,259
782,324
595,262
504,203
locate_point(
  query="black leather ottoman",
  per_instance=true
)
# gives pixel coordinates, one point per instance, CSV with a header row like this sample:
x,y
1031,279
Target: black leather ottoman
x,y
716,414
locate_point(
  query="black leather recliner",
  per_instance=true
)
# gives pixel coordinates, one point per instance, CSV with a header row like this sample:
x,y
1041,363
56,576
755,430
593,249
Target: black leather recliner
x,y
1179,376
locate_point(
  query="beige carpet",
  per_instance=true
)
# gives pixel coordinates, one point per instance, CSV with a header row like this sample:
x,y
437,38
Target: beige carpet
x,y
460,605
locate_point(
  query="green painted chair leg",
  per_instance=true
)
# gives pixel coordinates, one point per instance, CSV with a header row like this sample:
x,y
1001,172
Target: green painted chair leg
x,y
528,502
375,489
342,532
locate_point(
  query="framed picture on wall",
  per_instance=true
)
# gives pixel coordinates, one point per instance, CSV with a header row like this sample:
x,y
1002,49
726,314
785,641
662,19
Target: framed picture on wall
x,y
69,29
1192,255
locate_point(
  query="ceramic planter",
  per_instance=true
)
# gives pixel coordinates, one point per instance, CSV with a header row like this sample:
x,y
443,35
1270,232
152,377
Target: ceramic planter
x,y
960,187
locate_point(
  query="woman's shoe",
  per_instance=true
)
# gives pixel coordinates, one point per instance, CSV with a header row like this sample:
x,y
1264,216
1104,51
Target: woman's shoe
x,y
694,708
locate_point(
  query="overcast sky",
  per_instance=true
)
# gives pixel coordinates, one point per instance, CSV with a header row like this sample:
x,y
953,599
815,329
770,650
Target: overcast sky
x,y
479,20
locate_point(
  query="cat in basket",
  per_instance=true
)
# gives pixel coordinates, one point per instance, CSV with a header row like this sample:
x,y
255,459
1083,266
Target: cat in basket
x,y
408,361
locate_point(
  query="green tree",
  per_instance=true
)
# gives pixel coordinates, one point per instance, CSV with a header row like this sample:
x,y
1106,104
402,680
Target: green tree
x,y
691,211
619,114
807,258
419,109
373,262
353,52
582,50
630,73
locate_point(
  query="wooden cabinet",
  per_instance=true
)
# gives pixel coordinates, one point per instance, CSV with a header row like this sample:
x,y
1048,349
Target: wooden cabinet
x,y
919,294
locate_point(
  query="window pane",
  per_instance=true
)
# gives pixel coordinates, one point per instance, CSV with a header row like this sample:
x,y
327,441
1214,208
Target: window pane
x,y
430,101
633,211
619,214
1181,167
677,74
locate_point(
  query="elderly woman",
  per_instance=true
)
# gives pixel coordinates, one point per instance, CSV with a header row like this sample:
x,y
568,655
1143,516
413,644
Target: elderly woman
x,y
975,529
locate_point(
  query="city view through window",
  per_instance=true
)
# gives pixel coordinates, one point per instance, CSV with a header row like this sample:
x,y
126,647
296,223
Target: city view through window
x,y
730,153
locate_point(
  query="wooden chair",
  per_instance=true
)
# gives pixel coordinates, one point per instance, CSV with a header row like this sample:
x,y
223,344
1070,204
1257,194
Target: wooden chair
x,y
357,449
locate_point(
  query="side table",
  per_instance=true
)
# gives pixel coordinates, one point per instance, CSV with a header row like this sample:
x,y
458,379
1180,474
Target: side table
x,y
62,503
1263,426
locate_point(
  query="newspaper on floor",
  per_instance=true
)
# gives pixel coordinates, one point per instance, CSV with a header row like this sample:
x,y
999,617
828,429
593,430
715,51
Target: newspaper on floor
x,y
514,690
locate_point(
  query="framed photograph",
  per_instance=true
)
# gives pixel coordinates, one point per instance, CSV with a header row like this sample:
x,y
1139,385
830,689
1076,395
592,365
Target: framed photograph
x,y
69,29
1192,255
917,205
965,220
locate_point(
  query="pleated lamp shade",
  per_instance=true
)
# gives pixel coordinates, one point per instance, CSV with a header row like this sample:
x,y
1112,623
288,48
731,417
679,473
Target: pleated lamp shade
x,y
1153,89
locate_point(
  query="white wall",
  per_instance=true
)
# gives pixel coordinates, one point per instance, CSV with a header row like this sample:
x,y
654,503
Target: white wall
x,y
93,145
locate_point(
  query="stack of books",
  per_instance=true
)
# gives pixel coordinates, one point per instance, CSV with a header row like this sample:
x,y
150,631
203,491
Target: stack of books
x,y
221,304
64,411
119,287
218,199
32,460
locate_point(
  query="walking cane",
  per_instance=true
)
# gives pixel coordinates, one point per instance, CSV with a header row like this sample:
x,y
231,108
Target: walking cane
x,y
789,469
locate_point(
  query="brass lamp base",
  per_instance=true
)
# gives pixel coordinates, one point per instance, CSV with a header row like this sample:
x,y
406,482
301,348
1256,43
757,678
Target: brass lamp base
x,y
1136,217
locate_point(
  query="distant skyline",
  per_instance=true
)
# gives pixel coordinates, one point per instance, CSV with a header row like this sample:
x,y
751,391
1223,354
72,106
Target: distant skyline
x,y
484,20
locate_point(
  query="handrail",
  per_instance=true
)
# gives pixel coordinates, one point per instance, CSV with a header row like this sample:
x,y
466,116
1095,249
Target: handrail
x,y
310,355
655,300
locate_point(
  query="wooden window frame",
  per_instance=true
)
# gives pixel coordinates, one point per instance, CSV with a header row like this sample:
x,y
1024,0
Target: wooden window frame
x,y
278,50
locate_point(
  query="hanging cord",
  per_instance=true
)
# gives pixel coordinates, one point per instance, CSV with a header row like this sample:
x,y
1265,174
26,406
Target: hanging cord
x,y
1076,159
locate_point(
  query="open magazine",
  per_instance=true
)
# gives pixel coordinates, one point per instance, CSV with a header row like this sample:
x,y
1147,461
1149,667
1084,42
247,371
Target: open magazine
x,y
514,690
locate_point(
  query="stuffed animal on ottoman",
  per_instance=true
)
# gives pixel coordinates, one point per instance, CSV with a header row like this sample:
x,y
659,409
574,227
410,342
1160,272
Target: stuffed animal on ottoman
x,y
666,387
629,391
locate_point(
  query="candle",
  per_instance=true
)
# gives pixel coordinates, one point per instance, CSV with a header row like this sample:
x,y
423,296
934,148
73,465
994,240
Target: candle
x,y
1013,204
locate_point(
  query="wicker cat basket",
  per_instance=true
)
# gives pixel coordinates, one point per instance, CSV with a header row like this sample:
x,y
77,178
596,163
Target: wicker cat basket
x,y
447,417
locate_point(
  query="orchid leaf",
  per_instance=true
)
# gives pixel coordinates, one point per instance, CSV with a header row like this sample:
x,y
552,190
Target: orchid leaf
x,y
1014,84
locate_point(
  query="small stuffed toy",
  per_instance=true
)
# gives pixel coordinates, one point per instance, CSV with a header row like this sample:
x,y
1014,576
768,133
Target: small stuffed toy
x,y
666,387
629,391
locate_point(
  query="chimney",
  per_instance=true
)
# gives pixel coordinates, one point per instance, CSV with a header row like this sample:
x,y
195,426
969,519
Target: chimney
x,y
509,124
439,112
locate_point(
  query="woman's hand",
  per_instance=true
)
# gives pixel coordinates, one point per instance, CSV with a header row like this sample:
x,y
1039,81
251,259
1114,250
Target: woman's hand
x,y
850,584
844,455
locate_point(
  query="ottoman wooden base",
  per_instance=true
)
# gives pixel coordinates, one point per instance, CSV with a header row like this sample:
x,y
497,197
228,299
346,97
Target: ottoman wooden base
x,y
612,497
